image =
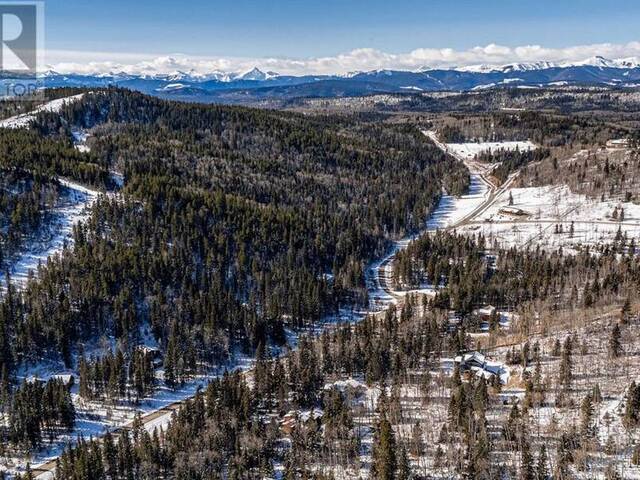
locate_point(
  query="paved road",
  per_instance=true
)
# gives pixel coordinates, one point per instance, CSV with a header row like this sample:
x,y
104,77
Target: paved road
x,y
45,471
494,191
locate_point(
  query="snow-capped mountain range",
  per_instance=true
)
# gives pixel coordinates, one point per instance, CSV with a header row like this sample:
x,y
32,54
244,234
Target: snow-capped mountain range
x,y
255,83
598,61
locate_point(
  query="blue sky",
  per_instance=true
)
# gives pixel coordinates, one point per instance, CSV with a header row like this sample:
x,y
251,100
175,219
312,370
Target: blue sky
x,y
304,29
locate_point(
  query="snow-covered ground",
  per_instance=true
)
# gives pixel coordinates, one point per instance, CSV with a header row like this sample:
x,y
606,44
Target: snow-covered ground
x,y
541,209
450,211
536,212
470,150
547,203
80,140
24,120
74,209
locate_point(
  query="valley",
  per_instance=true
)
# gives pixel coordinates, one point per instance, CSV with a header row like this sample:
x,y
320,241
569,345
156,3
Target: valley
x,y
329,240
467,309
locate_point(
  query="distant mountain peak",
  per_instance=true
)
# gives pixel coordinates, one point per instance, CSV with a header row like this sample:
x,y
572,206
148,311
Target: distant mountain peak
x,y
595,61
256,74
526,67
629,62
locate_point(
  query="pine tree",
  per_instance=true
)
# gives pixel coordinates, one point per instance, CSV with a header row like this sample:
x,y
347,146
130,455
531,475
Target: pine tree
x,y
170,361
615,345
596,395
28,474
404,469
542,472
417,441
527,470
631,416
84,382
512,429
564,457
110,454
586,417
538,384
625,312
611,473
384,463
566,364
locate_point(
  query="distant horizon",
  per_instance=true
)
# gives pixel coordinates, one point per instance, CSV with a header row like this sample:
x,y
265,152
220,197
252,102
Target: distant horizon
x,y
332,37
359,60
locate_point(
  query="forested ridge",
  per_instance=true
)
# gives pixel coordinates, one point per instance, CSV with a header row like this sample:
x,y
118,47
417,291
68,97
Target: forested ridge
x,y
508,162
233,224
30,166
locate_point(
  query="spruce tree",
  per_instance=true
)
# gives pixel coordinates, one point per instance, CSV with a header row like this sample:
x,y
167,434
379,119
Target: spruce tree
x,y
527,469
615,345
586,417
384,462
542,471
404,468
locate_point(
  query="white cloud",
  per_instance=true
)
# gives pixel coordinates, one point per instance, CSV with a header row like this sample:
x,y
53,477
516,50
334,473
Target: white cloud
x,y
358,59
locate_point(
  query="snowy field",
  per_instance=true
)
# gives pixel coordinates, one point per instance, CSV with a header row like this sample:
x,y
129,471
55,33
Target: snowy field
x,y
544,217
470,150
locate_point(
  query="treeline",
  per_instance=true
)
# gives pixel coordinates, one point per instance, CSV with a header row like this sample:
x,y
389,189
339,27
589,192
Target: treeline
x,y
117,376
542,128
27,103
510,277
35,411
510,161
29,167
28,150
24,203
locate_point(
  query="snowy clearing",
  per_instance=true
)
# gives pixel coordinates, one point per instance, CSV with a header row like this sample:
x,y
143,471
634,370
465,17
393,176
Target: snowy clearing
x,y
543,216
24,120
74,209
470,150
